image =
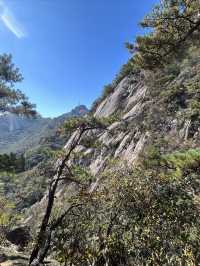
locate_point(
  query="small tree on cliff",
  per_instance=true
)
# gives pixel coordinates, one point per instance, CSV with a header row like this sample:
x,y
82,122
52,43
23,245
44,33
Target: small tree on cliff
x,y
79,127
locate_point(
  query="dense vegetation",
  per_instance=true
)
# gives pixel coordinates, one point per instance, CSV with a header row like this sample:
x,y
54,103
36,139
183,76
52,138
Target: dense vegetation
x,y
148,215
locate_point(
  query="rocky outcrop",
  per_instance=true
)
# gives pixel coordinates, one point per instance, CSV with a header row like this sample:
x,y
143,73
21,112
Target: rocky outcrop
x,y
114,101
128,93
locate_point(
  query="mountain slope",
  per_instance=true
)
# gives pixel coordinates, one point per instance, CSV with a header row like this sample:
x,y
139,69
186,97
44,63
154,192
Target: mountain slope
x,y
125,190
144,170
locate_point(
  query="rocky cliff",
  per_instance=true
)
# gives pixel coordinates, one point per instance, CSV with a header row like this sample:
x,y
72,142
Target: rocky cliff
x,y
147,109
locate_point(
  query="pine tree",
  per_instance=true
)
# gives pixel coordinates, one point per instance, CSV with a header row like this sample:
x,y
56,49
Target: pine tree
x,y
173,24
12,100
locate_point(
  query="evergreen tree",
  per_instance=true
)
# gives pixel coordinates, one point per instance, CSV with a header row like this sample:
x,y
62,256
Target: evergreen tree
x,y
12,100
173,24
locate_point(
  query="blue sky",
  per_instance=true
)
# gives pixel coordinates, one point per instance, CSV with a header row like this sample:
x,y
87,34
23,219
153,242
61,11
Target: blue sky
x,y
68,50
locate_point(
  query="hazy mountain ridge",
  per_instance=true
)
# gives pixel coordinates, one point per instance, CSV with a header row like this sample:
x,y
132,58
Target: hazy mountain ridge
x,y
17,134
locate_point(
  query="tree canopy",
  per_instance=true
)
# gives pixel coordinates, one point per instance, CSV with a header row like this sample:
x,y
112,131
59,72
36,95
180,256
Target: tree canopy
x,y
11,99
172,25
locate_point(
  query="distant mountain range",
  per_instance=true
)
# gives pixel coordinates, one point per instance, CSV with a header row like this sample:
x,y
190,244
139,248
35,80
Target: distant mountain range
x,y
18,134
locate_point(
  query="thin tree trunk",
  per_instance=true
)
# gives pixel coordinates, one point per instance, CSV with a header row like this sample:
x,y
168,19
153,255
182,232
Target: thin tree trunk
x,y
41,239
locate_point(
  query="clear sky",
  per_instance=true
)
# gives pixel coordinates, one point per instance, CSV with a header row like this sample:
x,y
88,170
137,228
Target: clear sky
x,y
68,50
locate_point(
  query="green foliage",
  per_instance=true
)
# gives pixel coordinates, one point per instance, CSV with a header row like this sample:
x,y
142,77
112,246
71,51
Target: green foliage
x,y
175,97
12,100
194,109
85,123
8,217
180,163
82,174
12,163
151,157
173,25
111,119
90,142
191,58
145,216
184,98
6,209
